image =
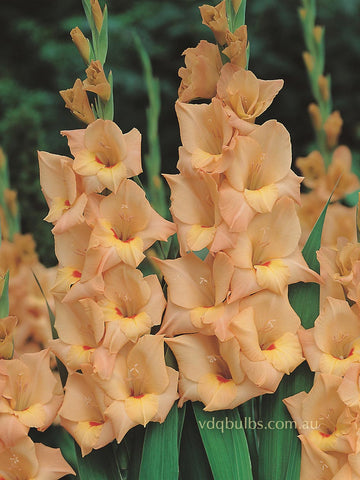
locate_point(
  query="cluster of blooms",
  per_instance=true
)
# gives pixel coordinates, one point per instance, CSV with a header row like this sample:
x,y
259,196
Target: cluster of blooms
x,y
26,301
30,397
235,197
332,350
104,307
321,182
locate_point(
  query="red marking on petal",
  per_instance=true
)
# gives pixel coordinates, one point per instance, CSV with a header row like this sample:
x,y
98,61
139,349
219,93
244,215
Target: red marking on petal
x,y
86,347
97,159
115,234
222,379
351,352
128,240
67,204
118,312
95,424
76,274
139,396
325,435
271,347
266,264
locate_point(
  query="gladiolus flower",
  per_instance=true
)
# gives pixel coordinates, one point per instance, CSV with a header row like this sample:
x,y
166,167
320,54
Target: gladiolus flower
x,y
30,391
79,274
333,344
197,293
142,387
25,460
206,134
323,418
195,211
266,328
82,413
61,191
105,156
246,96
80,326
199,78
258,176
132,304
267,256
211,372
128,225
340,268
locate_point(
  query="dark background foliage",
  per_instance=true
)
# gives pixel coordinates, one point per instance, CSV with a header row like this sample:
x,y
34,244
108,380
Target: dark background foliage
x,y
38,59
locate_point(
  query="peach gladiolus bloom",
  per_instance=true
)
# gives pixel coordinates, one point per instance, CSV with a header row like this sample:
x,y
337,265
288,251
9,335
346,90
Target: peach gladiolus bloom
x,y
195,211
246,96
324,182
142,388
62,191
258,175
79,274
323,418
128,225
333,344
132,304
29,390
197,294
25,460
200,76
206,135
80,326
267,256
315,463
82,413
211,372
104,156
341,269
349,390
266,329
7,327
339,220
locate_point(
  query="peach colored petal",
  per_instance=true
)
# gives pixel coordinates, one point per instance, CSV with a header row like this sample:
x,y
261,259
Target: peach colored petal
x,y
52,465
189,281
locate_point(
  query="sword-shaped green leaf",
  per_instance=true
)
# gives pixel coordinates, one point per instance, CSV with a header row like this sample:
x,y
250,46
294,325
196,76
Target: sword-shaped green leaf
x,y
225,443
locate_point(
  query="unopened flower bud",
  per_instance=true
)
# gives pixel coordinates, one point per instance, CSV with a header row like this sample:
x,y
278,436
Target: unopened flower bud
x,y
215,18
318,33
302,13
10,197
2,158
324,87
81,43
315,116
97,14
96,81
77,101
7,326
332,127
236,5
236,46
309,61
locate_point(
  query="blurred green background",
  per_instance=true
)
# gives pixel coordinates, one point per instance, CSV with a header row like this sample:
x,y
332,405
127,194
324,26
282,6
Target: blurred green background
x,y
39,59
